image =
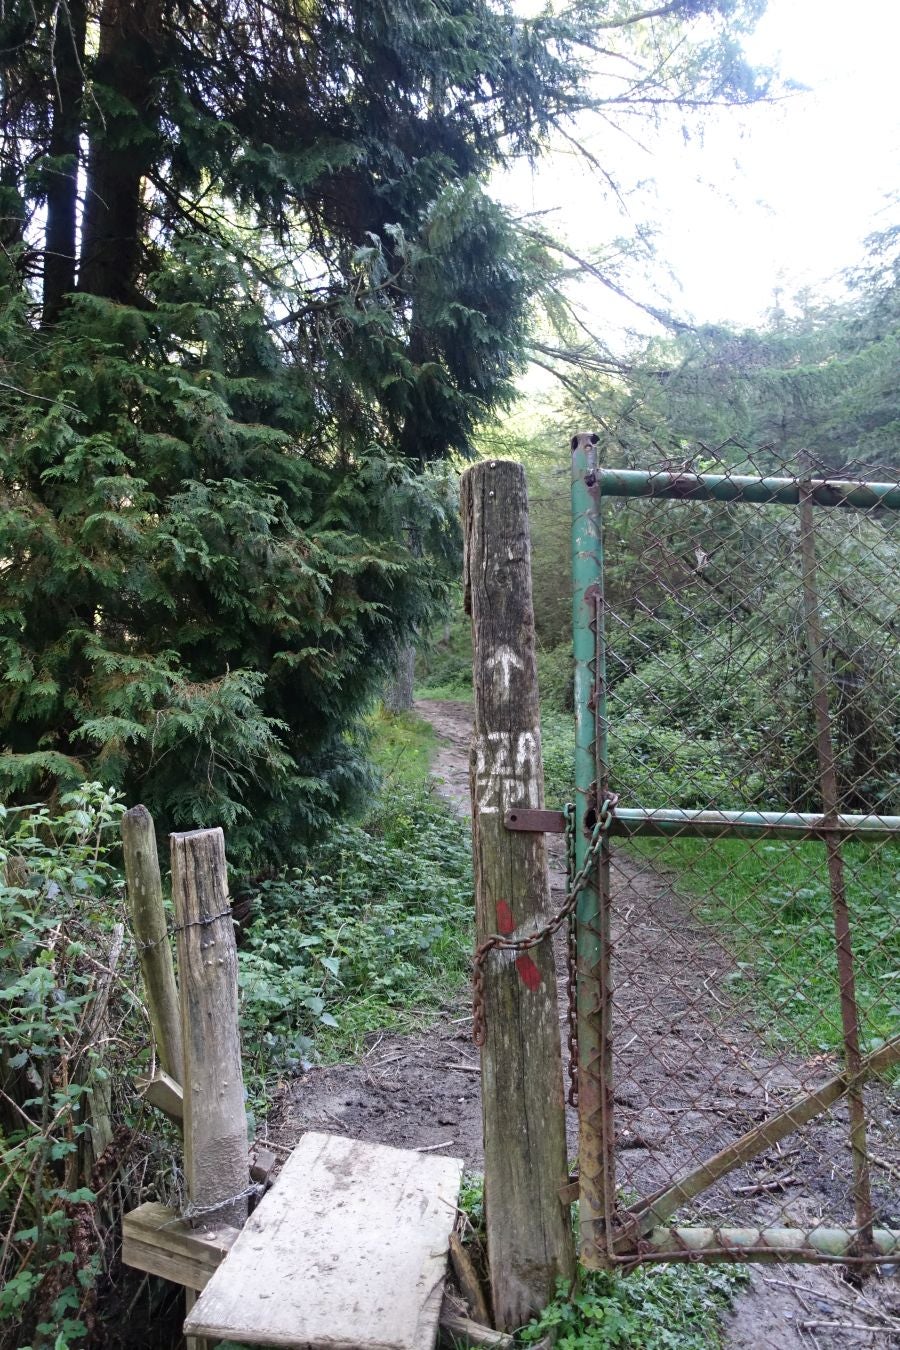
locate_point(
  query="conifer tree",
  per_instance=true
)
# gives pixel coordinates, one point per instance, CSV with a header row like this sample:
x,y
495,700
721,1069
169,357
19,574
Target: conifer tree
x,y
227,387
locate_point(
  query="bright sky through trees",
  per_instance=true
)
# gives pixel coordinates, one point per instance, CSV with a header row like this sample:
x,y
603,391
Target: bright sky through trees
x,y
756,199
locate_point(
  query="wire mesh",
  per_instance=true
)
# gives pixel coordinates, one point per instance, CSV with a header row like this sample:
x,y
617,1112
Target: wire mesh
x,y
738,1090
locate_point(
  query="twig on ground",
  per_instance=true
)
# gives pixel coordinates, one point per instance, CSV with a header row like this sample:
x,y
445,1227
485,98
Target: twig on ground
x,y
836,1299
761,1187
843,1326
883,1163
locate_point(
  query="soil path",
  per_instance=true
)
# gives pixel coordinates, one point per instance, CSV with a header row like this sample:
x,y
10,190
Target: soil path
x,y
690,1075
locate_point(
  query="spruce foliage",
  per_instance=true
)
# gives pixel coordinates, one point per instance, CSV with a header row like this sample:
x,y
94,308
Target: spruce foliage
x,y
227,385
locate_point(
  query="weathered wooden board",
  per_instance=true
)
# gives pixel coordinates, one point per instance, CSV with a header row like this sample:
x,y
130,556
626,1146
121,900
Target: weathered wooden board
x,y
164,1093
216,1161
346,1252
156,1240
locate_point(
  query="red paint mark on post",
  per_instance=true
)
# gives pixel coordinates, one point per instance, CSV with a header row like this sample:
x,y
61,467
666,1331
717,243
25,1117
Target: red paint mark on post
x,y
528,973
505,922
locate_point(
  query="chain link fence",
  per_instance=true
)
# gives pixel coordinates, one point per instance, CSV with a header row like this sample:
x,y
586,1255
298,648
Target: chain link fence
x,y
738,688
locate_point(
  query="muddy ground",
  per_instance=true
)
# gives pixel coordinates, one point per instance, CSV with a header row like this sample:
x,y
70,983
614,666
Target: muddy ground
x,y
692,1073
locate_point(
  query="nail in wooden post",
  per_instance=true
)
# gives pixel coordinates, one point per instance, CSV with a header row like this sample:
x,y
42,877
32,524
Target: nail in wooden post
x,y
528,1230
148,921
216,1155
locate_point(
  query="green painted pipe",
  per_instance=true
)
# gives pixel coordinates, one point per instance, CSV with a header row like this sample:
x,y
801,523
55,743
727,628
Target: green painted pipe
x,y
587,573
773,1244
723,487
636,823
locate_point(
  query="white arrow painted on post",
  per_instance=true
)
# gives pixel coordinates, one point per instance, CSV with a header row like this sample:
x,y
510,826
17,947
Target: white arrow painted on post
x,y
506,659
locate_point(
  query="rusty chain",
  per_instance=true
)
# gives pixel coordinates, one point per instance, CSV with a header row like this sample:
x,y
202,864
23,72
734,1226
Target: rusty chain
x,y
571,963
497,941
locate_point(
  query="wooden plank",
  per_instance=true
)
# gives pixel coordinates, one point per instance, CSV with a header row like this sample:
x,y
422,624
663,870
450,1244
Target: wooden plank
x,y
457,1331
156,1240
216,1154
148,921
529,1235
193,1342
348,1251
468,1281
263,1163
164,1093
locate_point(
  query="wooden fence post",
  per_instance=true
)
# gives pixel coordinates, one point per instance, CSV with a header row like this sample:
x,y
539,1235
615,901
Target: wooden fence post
x,y
216,1154
148,921
529,1233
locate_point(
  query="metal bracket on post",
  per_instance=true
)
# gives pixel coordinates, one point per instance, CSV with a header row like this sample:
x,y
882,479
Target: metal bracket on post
x,y
534,821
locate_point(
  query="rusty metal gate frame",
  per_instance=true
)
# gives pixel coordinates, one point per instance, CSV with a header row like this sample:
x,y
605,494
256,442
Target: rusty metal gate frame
x,y
611,1235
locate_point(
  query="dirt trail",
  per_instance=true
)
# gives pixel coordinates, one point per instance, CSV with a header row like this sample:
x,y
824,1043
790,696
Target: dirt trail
x,y
422,1091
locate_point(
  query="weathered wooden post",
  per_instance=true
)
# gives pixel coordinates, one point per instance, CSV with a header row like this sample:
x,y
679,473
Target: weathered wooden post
x,y
216,1154
148,921
528,1230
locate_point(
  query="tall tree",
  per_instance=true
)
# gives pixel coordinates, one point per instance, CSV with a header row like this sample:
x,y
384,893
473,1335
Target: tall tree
x,y
293,299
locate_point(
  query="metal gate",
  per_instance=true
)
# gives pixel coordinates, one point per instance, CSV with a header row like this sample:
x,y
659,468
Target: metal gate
x,y
738,988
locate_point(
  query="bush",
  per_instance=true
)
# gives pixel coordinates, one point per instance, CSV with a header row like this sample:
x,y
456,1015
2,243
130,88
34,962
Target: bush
x,y
70,1032
655,1308
444,667
654,767
556,678
379,919
649,767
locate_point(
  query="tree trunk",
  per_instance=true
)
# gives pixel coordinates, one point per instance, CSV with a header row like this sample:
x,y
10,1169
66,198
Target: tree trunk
x,y
398,697
122,149
62,186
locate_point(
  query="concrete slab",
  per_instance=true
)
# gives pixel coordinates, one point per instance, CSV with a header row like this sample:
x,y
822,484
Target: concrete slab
x,y
348,1251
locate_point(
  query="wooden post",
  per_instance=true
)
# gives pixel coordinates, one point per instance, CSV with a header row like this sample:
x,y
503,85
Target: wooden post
x,y
216,1154
528,1229
148,920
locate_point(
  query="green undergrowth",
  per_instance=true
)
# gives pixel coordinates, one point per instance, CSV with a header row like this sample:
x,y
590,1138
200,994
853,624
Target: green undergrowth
x,y
402,748
558,747
444,667
373,931
654,1308
452,691
661,1307
657,1307
771,902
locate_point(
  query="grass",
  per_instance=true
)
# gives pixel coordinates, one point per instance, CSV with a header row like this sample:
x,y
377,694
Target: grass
x,y
771,902
402,747
451,690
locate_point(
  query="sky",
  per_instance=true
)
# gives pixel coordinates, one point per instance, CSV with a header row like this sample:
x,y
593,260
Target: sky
x,y
763,198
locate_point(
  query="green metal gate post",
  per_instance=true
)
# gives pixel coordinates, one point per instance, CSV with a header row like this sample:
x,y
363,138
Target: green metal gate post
x,y
595,1092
